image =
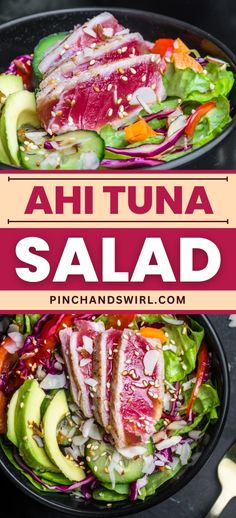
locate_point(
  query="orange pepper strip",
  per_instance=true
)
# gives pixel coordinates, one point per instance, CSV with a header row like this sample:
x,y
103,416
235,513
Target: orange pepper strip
x,y
138,131
179,46
182,60
153,332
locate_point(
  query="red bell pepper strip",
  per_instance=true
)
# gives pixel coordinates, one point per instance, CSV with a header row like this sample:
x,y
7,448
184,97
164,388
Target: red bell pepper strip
x,y
201,369
198,114
162,45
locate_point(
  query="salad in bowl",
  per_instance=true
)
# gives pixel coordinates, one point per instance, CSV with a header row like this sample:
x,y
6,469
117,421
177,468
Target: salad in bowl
x,y
102,97
100,407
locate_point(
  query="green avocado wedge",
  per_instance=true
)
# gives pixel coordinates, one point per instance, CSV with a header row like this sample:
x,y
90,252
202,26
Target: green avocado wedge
x,y
54,414
19,110
27,413
11,419
9,84
44,45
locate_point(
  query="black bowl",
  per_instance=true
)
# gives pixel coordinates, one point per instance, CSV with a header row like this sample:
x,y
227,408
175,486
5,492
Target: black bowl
x,y
69,504
20,36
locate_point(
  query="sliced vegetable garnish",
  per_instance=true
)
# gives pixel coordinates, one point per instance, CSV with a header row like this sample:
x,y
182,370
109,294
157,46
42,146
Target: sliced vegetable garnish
x,y
197,115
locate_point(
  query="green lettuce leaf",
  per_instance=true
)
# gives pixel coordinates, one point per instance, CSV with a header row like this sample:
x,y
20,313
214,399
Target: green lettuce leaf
x,y
121,489
158,479
9,454
206,402
112,137
26,322
187,339
189,85
213,123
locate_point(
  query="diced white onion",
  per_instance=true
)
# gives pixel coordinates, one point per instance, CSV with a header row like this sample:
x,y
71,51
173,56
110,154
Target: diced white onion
x,y
148,465
88,344
90,429
176,425
188,384
168,443
150,361
79,440
132,451
17,342
91,382
84,362
195,434
53,381
90,32
108,32
184,451
144,94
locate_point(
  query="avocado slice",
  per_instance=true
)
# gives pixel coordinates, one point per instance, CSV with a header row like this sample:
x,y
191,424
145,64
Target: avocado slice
x,y
19,109
132,468
45,45
56,411
27,412
9,84
11,419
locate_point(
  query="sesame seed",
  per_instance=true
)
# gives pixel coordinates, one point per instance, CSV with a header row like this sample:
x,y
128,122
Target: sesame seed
x,y
119,321
58,113
129,98
96,88
122,109
95,468
109,87
66,46
125,373
124,49
119,101
133,71
212,86
119,51
92,62
21,405
53,114
88,459
124,78
144,78
93,45
167,60
110,112
121,70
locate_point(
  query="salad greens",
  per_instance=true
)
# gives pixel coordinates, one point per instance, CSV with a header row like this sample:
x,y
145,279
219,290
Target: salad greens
x,y
147,124
68,463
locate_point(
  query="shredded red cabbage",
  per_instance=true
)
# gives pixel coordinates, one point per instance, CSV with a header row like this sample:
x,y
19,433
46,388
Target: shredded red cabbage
x,y
131,162
23,59
57,487
149,150
135,487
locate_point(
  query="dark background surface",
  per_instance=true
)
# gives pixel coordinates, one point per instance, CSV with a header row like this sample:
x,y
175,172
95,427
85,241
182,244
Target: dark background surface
x,y
218,18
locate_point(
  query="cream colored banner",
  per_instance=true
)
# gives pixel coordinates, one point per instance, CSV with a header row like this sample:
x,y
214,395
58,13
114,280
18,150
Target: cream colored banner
x,y
220,190
117,301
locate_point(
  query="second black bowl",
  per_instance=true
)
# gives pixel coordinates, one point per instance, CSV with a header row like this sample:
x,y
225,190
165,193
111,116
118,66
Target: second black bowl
x,y
69,504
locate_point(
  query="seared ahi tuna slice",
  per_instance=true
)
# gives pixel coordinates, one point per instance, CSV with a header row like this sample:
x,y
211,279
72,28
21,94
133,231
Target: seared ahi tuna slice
x,y
65,335
120,47
102,95
100,28
136,389
81,356
105,347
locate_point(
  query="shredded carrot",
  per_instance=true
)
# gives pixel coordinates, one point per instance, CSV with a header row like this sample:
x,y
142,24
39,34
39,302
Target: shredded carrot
x,y
179,46
153,332
138,131
182,60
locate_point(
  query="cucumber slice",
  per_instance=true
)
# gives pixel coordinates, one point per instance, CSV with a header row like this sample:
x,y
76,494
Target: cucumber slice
x,y
100,462
76,150
44,45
